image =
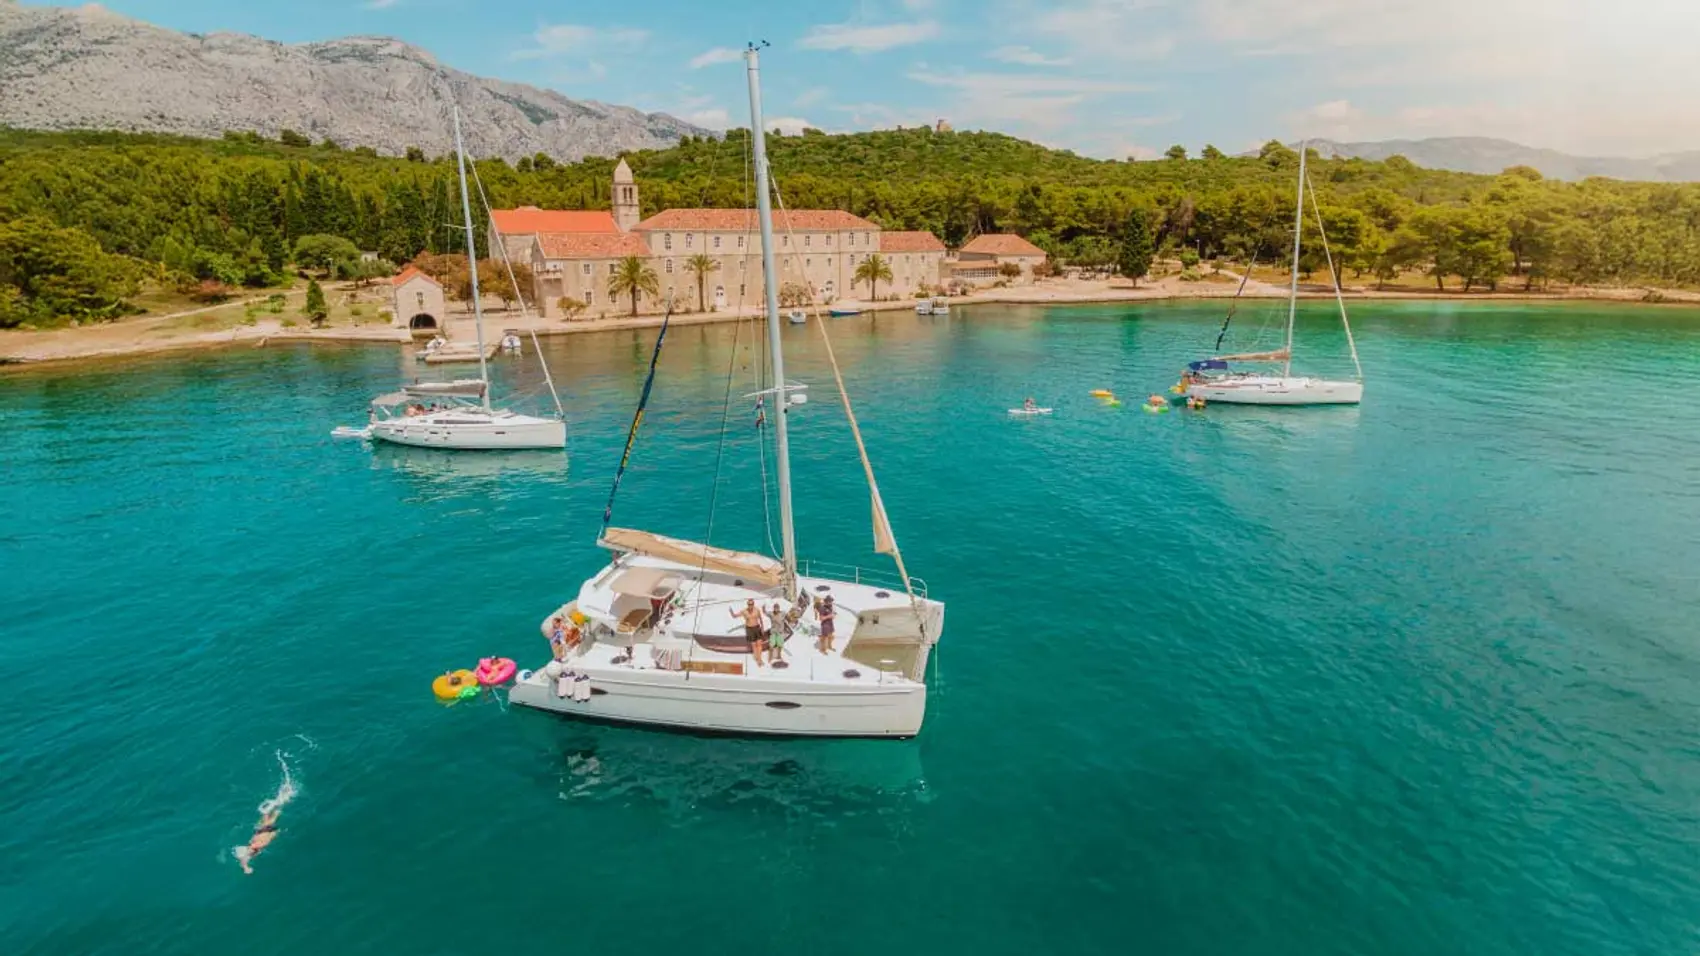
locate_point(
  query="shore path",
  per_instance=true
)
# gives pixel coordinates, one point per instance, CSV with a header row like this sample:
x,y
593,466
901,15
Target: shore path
x,y
159,333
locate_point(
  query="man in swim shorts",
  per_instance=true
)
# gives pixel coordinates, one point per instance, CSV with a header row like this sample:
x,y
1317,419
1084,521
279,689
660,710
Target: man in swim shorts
x,y
265,832
753,631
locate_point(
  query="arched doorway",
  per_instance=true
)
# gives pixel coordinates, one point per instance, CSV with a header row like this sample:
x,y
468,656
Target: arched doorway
x,y
424,321
720,297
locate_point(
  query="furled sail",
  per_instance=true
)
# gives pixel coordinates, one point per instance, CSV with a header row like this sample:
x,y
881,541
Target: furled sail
x,y
1279,355
756,568
884,541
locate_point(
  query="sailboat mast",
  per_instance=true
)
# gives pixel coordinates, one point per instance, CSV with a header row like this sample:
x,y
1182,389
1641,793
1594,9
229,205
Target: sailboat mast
x,y
1293,291
471,259
770,283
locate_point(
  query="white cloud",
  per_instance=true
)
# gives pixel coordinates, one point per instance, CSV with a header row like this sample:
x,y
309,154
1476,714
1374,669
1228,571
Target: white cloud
x,y
716,56
1024,84
870,38
712,118
1109,30
810,96
566,39
1027,56
789,125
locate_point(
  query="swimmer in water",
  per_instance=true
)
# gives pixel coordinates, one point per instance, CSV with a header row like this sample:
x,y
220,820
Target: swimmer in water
x,y
265,832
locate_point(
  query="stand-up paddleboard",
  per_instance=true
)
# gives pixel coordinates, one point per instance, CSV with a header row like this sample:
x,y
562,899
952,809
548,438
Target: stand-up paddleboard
x,y
1029,412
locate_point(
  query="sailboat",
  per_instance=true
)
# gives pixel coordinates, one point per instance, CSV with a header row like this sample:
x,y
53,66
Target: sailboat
x,y
655,637
458,414
1214,379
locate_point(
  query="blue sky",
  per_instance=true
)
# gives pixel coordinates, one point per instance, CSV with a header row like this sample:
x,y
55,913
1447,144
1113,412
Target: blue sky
x,y
1107,78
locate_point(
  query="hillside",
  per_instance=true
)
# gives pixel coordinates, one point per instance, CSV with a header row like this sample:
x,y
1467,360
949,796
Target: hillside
x,y
78,206
88,68
1481,154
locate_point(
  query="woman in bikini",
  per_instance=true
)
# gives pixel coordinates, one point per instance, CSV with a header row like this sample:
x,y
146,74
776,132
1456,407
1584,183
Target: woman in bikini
x,y
264,833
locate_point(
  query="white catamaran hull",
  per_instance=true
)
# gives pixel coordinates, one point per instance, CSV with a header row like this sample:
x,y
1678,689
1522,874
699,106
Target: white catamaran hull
x,y
1278,390
472,431
735,705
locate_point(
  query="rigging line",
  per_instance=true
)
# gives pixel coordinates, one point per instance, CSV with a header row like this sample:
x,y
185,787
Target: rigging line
x,y
1335,275
1235,304
861,448
719,458
525,310
637,420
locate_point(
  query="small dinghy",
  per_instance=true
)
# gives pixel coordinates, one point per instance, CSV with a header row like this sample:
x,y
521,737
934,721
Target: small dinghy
x,y
797,317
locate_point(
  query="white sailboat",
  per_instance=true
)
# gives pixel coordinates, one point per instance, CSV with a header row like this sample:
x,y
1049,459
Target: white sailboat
x,y
655,638
458,415
1214,380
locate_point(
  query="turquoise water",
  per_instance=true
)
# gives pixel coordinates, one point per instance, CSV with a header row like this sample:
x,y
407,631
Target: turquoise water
x,y
1419,677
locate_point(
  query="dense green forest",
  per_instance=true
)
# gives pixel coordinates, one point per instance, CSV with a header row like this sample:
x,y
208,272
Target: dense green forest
x,y
86,217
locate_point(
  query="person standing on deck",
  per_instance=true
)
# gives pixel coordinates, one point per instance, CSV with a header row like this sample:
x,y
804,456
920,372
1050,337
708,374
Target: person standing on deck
x,y
751,615
827,618
779,630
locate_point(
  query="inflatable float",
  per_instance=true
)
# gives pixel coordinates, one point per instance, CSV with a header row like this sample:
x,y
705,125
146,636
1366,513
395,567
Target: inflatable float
x,y
493,671
456,685
1101,393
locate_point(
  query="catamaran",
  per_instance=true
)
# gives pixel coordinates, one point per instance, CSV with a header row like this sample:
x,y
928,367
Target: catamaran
x,y
458,415
656,638
1215,380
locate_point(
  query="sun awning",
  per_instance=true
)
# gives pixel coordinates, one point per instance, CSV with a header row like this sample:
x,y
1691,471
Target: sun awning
x,y
644,582
757,568
464,388
393,398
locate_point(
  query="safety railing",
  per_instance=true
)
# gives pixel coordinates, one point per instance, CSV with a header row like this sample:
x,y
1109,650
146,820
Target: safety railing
x,y
849,572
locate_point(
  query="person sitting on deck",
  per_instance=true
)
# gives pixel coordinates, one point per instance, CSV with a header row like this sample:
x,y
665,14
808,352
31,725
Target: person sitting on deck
x,y
827,615
753,629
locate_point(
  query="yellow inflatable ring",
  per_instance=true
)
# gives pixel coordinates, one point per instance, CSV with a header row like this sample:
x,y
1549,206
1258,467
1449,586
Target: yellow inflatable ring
x,y
454,685
1102,393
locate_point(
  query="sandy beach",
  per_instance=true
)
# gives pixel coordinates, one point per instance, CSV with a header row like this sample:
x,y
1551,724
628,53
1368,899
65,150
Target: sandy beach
x,y
174,332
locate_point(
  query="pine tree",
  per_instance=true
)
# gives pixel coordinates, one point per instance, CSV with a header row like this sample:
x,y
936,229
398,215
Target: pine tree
x,y
316,309
1135,256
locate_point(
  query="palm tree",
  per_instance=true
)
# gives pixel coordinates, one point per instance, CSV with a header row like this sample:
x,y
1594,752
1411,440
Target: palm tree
x,y
700,265
631,276
872,270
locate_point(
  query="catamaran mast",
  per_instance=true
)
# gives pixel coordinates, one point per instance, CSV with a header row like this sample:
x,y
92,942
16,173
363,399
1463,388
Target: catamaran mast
x,y
471,259
1293,292
770,282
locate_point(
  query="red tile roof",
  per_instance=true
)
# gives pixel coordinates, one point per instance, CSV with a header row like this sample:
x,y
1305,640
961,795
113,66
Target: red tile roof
x,y
591,245
910,242
530,220
744,220
1002,244
409,273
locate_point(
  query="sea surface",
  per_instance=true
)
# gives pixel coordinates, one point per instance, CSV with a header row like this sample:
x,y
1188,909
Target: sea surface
x,y
1418,677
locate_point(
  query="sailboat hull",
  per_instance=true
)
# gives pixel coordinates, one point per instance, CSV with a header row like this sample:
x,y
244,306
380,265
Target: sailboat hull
x,y
712,703
1278,390
472,431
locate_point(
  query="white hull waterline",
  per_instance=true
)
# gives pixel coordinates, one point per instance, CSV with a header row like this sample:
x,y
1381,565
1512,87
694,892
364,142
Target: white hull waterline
x,y
471,430
1278,390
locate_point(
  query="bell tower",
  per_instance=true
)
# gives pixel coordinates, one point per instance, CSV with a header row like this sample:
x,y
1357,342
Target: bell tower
x,y
625,198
